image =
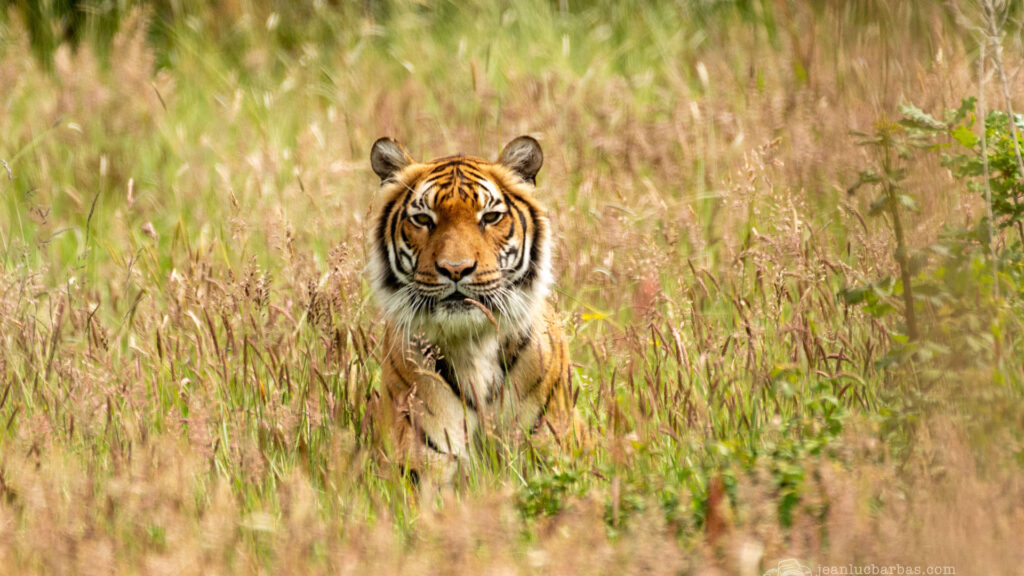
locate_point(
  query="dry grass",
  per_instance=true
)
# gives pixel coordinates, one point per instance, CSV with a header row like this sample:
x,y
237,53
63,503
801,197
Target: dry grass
x,y
188,346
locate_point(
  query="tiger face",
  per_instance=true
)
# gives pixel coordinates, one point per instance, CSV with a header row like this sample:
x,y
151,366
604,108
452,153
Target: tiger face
x,y
459,240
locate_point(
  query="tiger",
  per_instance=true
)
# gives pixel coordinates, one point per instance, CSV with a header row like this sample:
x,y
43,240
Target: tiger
x,y
460,265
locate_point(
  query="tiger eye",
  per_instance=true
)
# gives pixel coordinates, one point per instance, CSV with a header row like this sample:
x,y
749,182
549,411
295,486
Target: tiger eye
x,y
491,217
423,220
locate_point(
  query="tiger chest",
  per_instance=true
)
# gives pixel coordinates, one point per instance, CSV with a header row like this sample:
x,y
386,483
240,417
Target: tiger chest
x,y
473,372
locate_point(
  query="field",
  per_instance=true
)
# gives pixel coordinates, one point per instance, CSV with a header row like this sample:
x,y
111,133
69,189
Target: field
x,y
188,342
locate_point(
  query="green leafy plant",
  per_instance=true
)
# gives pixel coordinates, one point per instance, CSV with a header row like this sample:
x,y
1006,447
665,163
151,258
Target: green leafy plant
x,y
1005,177
545,495
949,281
967,160
894,144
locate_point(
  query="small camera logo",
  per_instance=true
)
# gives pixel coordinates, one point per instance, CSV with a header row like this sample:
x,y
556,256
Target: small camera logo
x,y
789,567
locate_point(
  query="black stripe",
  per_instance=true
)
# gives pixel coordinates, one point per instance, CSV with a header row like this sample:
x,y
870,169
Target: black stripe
x,y
512,221
522,248
396,216
440,181
444,369
544,409
393,218
399,253
457,162
512,357
432,445
532,270
426,437
471,169
447,163
390,279
508,359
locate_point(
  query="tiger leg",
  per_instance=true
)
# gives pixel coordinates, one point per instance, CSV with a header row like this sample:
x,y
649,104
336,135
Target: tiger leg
x,y
426,427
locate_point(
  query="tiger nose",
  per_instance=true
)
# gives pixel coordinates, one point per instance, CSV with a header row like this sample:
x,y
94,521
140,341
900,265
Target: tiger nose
x,y
455,269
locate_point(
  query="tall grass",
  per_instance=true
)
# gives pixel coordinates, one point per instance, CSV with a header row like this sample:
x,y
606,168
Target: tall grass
x,y
188,345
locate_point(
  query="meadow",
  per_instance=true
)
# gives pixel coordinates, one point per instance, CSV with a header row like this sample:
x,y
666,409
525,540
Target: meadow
x,y
743,195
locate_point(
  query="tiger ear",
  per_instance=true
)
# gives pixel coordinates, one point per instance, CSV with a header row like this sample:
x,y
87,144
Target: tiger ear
x,y
388,157
524,157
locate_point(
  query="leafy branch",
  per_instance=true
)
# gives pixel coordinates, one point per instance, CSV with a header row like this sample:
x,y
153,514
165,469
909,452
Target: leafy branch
x,y
894,143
